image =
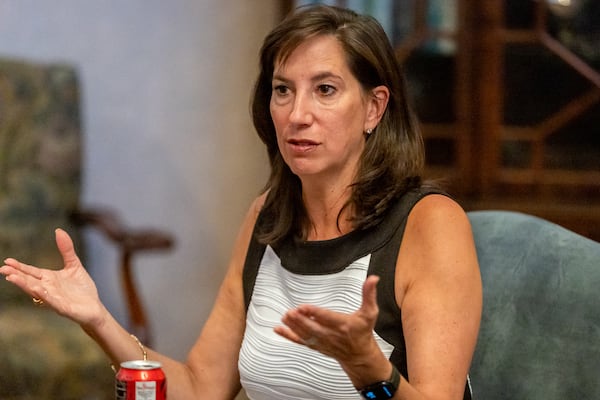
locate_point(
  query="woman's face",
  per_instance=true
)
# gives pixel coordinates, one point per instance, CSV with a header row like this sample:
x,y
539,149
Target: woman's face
x,y
320,111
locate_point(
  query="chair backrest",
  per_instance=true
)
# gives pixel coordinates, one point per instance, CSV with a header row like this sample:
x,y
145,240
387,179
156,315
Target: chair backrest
x,y
540,329
40,156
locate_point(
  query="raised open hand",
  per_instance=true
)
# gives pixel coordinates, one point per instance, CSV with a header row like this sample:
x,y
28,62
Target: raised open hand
x,y
345,337
70,291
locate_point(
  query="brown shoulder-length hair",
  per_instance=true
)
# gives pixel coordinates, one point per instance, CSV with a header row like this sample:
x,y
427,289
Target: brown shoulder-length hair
x,y
393,158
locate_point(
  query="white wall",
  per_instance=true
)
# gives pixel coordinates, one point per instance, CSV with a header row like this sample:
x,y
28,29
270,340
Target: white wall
x,y
168,137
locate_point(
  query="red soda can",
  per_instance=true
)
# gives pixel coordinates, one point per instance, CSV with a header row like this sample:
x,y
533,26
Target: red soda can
x,y
140,380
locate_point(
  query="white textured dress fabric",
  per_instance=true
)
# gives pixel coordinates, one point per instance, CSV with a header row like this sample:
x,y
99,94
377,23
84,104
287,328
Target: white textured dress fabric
x,y
273,368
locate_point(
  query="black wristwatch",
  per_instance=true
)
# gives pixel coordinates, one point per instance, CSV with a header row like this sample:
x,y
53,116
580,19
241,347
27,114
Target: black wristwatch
x,y
383,389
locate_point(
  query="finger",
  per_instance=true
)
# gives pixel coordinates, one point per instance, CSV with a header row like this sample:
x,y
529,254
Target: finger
x,y
299,323
328,318
369,300
66,248
314,316
38,292
8,271
29,284
309,340
25,269
287,333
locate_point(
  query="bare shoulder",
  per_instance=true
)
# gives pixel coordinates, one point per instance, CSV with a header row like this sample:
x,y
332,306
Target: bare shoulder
x,y
437,242
436,214
247,227
439,224
258,204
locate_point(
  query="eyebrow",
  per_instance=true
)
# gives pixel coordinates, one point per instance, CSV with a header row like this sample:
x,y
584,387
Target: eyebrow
x,y
318,77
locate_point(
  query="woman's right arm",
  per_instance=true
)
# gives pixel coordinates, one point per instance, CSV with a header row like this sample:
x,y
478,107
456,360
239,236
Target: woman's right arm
x,y
211,368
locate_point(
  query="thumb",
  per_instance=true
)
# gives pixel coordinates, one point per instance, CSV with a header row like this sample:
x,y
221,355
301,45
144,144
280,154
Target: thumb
x,y
369,300
66,248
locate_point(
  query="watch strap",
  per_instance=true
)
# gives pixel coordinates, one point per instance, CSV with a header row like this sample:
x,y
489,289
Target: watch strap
x,y
382,389
395,378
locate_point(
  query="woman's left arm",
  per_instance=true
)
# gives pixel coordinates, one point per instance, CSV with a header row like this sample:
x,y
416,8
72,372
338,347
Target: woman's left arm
x,y
438,288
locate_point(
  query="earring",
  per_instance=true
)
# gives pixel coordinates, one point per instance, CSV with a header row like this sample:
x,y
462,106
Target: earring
x,y
369,131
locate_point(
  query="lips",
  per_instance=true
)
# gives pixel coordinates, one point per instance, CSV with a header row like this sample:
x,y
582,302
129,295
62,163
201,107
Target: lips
x,y
302,145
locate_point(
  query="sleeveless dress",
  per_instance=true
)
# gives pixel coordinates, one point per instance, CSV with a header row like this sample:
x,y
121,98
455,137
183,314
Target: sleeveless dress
x,y
329,274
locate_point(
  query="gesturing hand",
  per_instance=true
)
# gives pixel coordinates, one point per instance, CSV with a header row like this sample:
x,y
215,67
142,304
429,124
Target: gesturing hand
x,y
346,337
70,291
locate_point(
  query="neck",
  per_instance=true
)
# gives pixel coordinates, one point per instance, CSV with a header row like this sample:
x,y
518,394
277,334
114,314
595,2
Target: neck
x,y
323,206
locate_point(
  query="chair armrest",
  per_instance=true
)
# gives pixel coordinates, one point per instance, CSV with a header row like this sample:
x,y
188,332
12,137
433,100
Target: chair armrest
x,y
129,241
107,222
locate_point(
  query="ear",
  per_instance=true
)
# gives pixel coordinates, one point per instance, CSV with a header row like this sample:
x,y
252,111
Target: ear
x,y
376,104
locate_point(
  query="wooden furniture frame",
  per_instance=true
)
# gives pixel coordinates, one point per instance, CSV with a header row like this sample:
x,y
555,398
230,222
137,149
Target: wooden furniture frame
x,y
477,174
129,242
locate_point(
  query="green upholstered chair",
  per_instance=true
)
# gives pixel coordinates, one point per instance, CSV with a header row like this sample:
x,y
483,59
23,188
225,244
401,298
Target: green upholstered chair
x,y
540,330
42,355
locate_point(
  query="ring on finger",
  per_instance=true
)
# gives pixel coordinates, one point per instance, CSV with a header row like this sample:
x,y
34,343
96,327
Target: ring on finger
x,y
37,301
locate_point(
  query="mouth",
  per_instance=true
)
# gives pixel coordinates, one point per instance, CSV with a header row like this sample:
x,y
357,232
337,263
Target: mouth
x,y
302,144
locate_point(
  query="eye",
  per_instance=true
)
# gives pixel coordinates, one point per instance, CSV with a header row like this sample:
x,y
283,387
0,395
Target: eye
x,y
326,90
280,90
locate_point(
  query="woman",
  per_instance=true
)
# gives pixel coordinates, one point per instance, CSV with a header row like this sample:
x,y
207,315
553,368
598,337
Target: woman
x,y
349,274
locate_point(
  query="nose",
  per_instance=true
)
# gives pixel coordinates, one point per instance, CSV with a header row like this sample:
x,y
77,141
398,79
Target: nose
x,y
302,110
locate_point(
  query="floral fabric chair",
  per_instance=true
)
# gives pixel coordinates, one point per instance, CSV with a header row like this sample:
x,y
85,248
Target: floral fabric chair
x,y
42,355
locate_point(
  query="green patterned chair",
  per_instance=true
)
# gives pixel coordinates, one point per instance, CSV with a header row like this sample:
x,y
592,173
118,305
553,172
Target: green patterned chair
x,y
540,328
42,355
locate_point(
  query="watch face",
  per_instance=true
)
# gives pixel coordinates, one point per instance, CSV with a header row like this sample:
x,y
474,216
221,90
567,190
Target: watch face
x,y
383,390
